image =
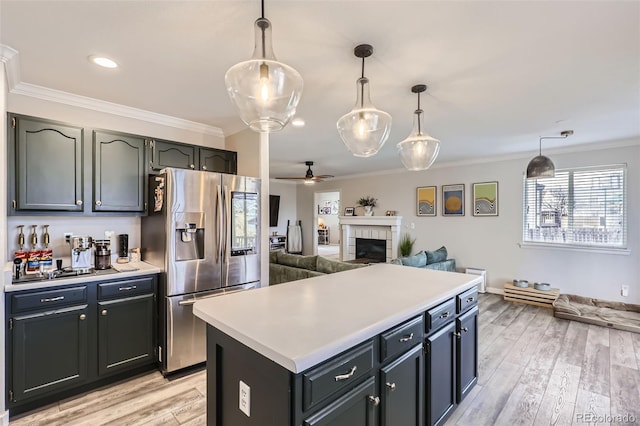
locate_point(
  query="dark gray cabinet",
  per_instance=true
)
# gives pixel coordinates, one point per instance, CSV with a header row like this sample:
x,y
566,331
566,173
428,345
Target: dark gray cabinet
x,y
183,156
48,351
466,353
67,339
118,172
401,390
356,408
440,374
45,165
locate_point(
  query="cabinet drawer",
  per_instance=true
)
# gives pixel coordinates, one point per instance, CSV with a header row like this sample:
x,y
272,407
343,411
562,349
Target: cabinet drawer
x,y
467,299
441,314
400,338
49,299
125,288
336,374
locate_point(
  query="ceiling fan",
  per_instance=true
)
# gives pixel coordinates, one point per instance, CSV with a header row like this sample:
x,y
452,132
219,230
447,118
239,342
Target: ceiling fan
x,y
309,177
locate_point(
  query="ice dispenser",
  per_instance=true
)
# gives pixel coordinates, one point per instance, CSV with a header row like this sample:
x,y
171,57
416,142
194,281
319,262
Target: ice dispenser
x,y
189,236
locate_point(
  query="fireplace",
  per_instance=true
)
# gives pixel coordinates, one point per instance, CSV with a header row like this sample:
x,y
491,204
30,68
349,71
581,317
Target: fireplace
x,y
369,250
384,229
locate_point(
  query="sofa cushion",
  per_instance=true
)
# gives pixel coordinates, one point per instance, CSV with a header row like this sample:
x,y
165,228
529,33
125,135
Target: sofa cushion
x,y
329,266
417,260
439,255
281,274
273,256
298,261
447,265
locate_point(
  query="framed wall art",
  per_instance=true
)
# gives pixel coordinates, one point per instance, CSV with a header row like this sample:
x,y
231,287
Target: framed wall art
x,y
348,211
426,201
453,200
485,199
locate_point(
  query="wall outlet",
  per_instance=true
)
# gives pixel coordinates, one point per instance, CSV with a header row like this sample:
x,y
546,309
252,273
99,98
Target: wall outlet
x,y
625,290
244,399
413,225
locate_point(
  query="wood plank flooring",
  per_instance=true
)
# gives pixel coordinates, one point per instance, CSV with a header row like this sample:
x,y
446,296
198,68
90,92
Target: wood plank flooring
x,y
534,370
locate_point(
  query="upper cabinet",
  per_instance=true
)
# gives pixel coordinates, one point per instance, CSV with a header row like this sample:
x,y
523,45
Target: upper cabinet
x,y
45,165
119,174
181,156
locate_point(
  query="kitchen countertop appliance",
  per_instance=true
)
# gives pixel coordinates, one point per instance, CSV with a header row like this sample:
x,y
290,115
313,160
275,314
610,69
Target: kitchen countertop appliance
x,y
80,253
102,254
203,230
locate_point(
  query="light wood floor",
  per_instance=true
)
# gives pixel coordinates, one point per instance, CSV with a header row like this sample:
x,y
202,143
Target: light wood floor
x,y
534,369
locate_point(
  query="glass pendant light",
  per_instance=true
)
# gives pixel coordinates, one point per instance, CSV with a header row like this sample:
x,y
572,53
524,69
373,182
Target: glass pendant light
x,y
419,150
365,129
541,166
264,91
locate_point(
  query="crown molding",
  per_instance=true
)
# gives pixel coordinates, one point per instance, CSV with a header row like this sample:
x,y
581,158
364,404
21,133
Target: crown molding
x,y
10,58
72,99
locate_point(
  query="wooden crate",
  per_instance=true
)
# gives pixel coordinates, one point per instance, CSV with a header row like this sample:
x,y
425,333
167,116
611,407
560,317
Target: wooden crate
x,y
530,295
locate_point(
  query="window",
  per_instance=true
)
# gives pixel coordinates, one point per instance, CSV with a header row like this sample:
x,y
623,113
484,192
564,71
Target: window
x,y
578,207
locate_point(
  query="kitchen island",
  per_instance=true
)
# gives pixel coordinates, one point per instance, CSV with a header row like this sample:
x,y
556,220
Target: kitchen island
x,y
351,348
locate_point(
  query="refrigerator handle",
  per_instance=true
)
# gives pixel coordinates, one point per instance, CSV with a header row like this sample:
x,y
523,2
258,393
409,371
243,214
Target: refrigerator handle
x,y
227,238
219,223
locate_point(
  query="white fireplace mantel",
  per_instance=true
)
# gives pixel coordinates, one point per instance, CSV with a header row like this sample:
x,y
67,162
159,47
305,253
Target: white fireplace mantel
x,y
374,227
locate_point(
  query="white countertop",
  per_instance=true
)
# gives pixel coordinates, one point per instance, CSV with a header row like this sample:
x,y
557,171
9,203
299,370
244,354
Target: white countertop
x,y
126,270
302,323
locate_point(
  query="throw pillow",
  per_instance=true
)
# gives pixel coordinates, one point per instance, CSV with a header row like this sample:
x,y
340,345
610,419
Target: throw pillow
x,y
297,261
417,260
439,255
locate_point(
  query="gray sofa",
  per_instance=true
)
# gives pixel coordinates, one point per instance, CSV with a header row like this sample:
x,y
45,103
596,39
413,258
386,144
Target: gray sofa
x,y
284,267
429,260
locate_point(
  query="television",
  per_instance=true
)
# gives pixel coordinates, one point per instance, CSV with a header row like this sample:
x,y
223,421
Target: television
x,y
274,209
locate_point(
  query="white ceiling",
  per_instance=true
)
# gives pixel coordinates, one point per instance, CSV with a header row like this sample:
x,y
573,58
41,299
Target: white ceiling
x,y
500,73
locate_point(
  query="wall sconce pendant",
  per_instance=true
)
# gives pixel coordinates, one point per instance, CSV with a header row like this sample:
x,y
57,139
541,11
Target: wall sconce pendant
x,y
364,129
265,91
419,150
541,166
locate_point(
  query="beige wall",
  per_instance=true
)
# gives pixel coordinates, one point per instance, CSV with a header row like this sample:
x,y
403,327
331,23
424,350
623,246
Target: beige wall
x,y
4,415
247,144
492,243
288,211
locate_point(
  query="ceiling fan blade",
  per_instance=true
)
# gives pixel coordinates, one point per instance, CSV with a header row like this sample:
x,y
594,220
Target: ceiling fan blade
x,y
325,176
292,178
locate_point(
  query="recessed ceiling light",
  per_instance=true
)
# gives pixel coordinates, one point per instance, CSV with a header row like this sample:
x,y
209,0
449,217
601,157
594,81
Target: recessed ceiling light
x,y
103,62
297,122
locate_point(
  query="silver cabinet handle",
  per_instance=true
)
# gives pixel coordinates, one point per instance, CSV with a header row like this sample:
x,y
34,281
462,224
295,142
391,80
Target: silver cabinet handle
x,y
193,166
98,203
104,313
52,299
346,376
457,334
78,202
83,317
470,299
375,400
132,287
406,338
204,167
391,386
445,315
465,329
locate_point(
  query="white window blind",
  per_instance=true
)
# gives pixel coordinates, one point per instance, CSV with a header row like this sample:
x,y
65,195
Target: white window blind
x,y
578,207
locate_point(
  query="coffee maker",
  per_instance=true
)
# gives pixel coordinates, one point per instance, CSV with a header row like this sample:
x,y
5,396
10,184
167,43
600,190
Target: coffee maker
x,y
81,255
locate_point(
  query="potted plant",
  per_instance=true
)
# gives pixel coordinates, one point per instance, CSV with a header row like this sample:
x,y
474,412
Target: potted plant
x,y
406,245
368,203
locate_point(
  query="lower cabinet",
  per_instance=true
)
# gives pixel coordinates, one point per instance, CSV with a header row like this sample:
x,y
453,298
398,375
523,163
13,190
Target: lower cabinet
x,y
466,353
401,390
357,407
49,352
62,340
440,377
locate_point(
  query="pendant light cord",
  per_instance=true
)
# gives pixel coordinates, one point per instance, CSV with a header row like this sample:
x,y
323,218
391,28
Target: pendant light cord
x,y
362,86
262,5
263,29
563,135
419,111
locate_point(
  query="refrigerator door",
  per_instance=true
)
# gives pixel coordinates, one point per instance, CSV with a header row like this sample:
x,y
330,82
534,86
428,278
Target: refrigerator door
x,y
241,252
192,231
185,335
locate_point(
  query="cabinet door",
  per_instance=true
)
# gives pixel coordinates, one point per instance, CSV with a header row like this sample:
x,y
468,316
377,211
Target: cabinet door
x,y
49,352
168,154
48,165
126,333
440,374
356,408
401,390
218,160
118,172
467,353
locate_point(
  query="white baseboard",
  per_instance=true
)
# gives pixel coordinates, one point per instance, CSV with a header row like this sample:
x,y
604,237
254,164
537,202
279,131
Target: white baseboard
x,y
494,290
4,419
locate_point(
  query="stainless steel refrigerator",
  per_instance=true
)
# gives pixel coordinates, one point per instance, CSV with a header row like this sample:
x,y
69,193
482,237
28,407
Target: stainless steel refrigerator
x,y
203,230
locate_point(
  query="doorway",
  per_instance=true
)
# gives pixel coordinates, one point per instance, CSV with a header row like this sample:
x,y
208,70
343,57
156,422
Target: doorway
x,y
326,218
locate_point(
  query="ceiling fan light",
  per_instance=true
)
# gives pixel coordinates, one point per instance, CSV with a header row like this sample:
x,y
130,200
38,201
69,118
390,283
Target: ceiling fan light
x,y
364,129
540,167
264,91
